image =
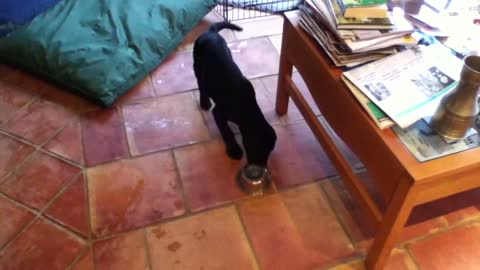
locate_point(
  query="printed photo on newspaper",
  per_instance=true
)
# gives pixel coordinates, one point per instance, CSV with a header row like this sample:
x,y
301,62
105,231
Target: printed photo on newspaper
x,y
409,85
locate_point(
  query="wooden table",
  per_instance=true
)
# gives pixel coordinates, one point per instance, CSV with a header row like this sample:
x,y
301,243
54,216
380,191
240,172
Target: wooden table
x,y
402,181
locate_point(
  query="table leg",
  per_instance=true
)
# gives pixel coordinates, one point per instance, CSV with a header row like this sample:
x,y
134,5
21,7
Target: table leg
x,y
392,225
285,70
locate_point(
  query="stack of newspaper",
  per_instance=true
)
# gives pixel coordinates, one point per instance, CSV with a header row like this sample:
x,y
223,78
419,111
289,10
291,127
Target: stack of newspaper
x,y
457,22
349,41
407,86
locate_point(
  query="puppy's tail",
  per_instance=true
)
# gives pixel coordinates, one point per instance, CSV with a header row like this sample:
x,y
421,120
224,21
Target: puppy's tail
x,y
221,25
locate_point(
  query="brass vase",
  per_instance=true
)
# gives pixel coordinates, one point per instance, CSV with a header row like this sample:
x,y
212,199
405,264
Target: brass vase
x,y
458,109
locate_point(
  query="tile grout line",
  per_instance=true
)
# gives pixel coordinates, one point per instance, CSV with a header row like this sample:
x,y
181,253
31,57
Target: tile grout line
x,y
319,183
283,121
13,239
175,218
237,41
60,192
273,45
64,229
18,167
442,231
339,219
18,203
40,145
89,215
87,203
39,214
69,122
247,236
125,133
42,212
52,153
24,107
345,261
24,228
265,17
190,213
361,259
309,182
148,255
37,149
51,200
87,190
155,97
60,157
18,138
158,151
337,216
82,139
115,159
412,257
181,186
81,120
150,79
200,111
78,258
168,148
94,260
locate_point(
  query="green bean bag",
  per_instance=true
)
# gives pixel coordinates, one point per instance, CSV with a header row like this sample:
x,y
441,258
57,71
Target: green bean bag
x,y
101,48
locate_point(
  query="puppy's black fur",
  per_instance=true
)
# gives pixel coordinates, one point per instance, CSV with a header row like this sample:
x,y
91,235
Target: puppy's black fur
x,y
220,79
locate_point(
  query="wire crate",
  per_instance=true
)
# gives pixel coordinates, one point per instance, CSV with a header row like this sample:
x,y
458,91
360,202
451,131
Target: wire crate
x,y
235,10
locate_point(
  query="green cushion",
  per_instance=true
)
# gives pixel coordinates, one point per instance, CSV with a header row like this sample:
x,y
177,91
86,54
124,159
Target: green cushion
x,y
101,48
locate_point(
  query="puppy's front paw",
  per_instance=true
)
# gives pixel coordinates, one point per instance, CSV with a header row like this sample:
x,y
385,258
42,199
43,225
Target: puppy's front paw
x,y
235,152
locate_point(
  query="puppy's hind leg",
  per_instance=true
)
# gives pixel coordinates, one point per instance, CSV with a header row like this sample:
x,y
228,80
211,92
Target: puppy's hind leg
x,y
233,149
205,103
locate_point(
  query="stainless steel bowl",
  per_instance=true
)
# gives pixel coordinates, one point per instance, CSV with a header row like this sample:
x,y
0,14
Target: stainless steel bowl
x,y
254,179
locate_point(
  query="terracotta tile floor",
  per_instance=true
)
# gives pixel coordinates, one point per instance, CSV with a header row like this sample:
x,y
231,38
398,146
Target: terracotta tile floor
x,y
146,184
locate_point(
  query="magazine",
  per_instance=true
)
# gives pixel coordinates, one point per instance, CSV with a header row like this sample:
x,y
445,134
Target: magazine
x,y
409,85
381,42
362,3
356,23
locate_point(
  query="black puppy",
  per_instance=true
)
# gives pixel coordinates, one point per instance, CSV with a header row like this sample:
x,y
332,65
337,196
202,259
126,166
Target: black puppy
x,y
220,79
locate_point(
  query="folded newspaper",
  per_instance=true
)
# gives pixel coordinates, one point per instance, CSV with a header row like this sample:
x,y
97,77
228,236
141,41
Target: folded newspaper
x,y
425,144
409,85
377,115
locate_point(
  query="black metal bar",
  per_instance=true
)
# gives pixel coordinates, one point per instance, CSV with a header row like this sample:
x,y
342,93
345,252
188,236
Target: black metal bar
x,y
253,8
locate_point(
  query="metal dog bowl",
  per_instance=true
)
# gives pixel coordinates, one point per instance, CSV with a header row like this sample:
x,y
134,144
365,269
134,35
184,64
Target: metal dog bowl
x,y
254,179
